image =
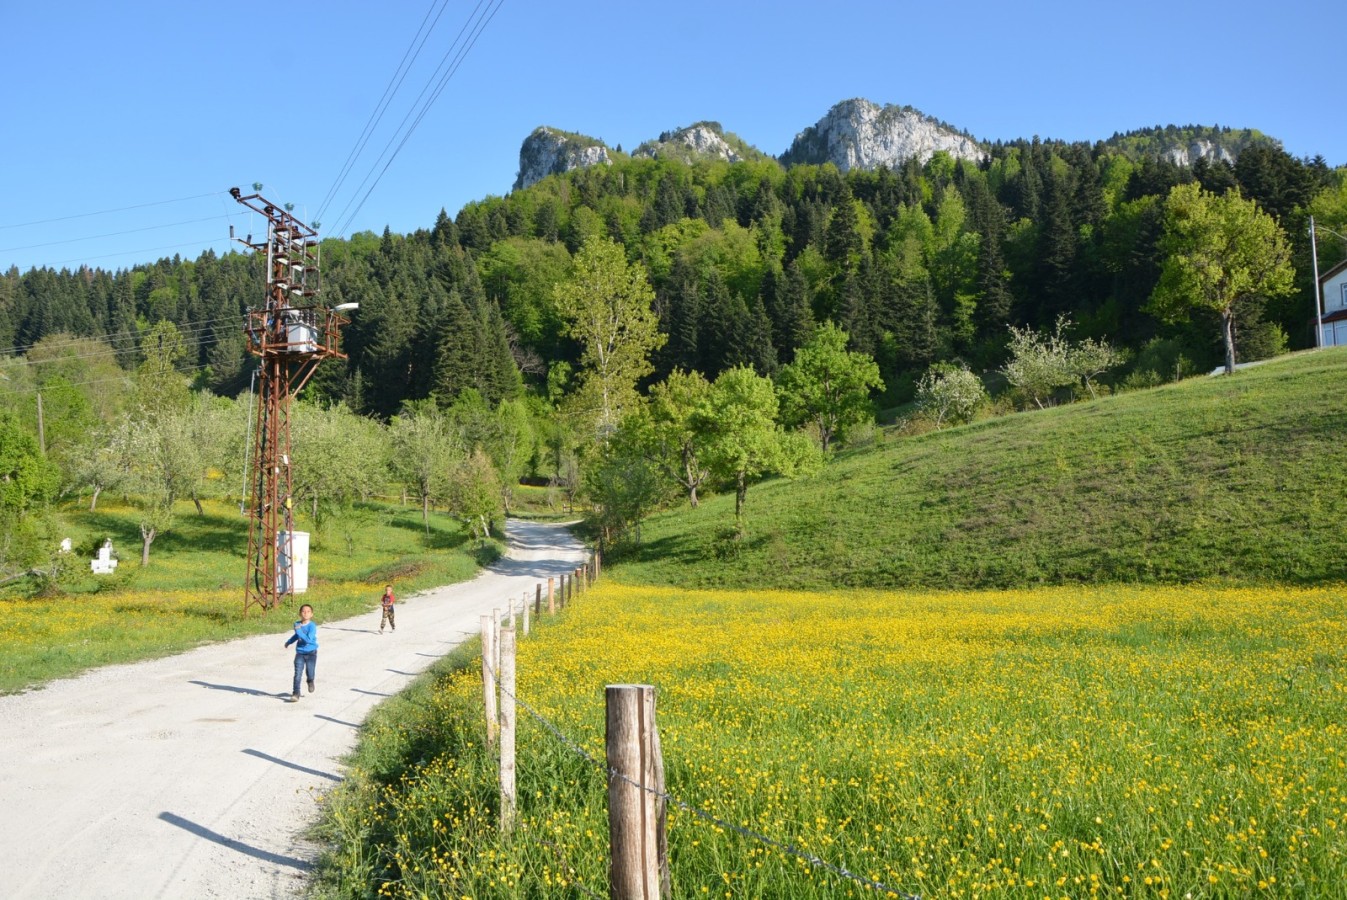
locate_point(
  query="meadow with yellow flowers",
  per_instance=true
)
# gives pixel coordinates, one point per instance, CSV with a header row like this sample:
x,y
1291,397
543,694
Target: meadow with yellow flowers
x,y
1110,741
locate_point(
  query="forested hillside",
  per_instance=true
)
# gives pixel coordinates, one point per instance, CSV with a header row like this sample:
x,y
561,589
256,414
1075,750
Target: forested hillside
x,y
918,265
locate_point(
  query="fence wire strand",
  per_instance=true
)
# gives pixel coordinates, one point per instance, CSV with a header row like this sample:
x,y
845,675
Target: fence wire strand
x,y
790,849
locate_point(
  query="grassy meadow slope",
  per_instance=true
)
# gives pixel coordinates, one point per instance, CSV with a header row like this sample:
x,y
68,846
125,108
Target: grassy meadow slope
x,y
1239,478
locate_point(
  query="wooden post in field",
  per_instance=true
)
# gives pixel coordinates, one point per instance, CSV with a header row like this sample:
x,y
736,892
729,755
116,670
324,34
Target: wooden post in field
x,y
508,803
489,679
495,641
598,564
538,601
635,807
526,613
509,616
561,593
551,598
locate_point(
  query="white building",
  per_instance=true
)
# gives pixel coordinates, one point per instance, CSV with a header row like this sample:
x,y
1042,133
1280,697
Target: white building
x,y
1333,297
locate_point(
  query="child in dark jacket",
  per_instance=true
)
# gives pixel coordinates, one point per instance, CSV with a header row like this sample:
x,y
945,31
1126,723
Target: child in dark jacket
x,y
306,651
386,604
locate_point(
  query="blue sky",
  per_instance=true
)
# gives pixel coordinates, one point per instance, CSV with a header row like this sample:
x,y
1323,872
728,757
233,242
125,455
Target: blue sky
x,y
165,105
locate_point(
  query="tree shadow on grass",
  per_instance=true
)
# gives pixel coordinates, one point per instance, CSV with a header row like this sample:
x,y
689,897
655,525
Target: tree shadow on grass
x,y
437,539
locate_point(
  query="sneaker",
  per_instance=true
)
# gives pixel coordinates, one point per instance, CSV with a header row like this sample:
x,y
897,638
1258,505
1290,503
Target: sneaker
x,y
294,698
310,687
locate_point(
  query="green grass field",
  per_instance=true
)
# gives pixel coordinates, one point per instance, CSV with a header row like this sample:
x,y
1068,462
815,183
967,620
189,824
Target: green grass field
x,y
192,590
1241,478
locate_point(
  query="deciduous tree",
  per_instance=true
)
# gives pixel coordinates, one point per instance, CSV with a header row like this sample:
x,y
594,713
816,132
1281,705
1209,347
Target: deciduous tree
x,y
606,306
828,386
1218,251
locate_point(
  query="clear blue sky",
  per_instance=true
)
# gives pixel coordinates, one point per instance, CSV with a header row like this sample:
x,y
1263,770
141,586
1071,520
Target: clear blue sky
x,y
111,105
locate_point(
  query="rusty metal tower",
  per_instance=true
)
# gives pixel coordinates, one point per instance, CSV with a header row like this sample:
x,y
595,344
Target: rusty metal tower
x,y
290,334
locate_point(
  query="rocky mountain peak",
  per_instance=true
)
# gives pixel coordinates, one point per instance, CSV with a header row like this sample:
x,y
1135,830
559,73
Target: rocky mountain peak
x,y
858,134
550,151
701,140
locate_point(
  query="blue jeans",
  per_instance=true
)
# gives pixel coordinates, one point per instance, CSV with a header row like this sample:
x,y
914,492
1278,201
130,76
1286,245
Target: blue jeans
x,y
305,663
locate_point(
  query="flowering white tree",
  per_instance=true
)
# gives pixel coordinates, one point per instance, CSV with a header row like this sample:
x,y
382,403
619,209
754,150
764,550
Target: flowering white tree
x,y
950,392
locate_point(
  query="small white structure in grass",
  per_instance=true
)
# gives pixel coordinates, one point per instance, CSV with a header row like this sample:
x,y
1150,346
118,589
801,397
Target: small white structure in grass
x,y
105,562
65,545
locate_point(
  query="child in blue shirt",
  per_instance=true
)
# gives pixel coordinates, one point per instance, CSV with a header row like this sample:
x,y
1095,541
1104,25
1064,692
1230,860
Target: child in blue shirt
x,y
306,651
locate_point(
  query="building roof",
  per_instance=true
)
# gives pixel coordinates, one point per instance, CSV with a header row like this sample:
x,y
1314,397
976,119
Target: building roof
x,y
1335,316
1325,276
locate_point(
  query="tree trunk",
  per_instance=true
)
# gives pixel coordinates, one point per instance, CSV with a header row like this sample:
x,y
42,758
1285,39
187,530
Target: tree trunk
x,y
197,501
690,479
314,506
93,501
425,511
740,493
1228,332
146,538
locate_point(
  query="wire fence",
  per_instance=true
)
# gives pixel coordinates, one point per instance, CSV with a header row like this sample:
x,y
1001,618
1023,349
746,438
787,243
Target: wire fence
x,y
785,847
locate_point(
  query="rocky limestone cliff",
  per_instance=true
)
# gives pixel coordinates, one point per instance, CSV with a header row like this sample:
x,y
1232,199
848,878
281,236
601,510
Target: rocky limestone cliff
x,y
858,134
702,140
1184,145
1195,150
549,151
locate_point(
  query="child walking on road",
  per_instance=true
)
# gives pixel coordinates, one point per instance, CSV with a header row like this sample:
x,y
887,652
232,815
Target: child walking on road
x,y
306,653
387,603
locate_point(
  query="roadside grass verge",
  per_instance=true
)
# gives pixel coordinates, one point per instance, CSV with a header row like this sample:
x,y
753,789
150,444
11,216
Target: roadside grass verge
x,y
1240,478
192,591
1069,741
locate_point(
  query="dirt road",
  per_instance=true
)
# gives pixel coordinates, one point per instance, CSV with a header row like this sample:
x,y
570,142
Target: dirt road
x,y
190,776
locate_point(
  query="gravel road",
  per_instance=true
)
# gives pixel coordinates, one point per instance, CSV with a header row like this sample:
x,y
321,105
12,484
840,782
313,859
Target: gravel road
x,y
190,776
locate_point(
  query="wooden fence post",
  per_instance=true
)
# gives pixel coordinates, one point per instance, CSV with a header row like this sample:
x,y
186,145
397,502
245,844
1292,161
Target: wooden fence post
x,y
636,870
495,641
489,679
551,599
526,613
538,601
561,592
598,563
507,731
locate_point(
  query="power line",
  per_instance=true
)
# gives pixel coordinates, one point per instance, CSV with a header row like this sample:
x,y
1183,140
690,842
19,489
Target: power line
x,y
94,237
475,30
188,330
382,106
104,212
81,259
118,378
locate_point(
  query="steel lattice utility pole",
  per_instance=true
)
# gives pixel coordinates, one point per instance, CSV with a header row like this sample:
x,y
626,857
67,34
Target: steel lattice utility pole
x,y
290,334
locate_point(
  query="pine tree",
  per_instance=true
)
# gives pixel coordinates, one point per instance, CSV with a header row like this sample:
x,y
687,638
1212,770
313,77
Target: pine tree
x,y
500,375
1056,254
683,312
755,335
458,362
716,327
794,320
